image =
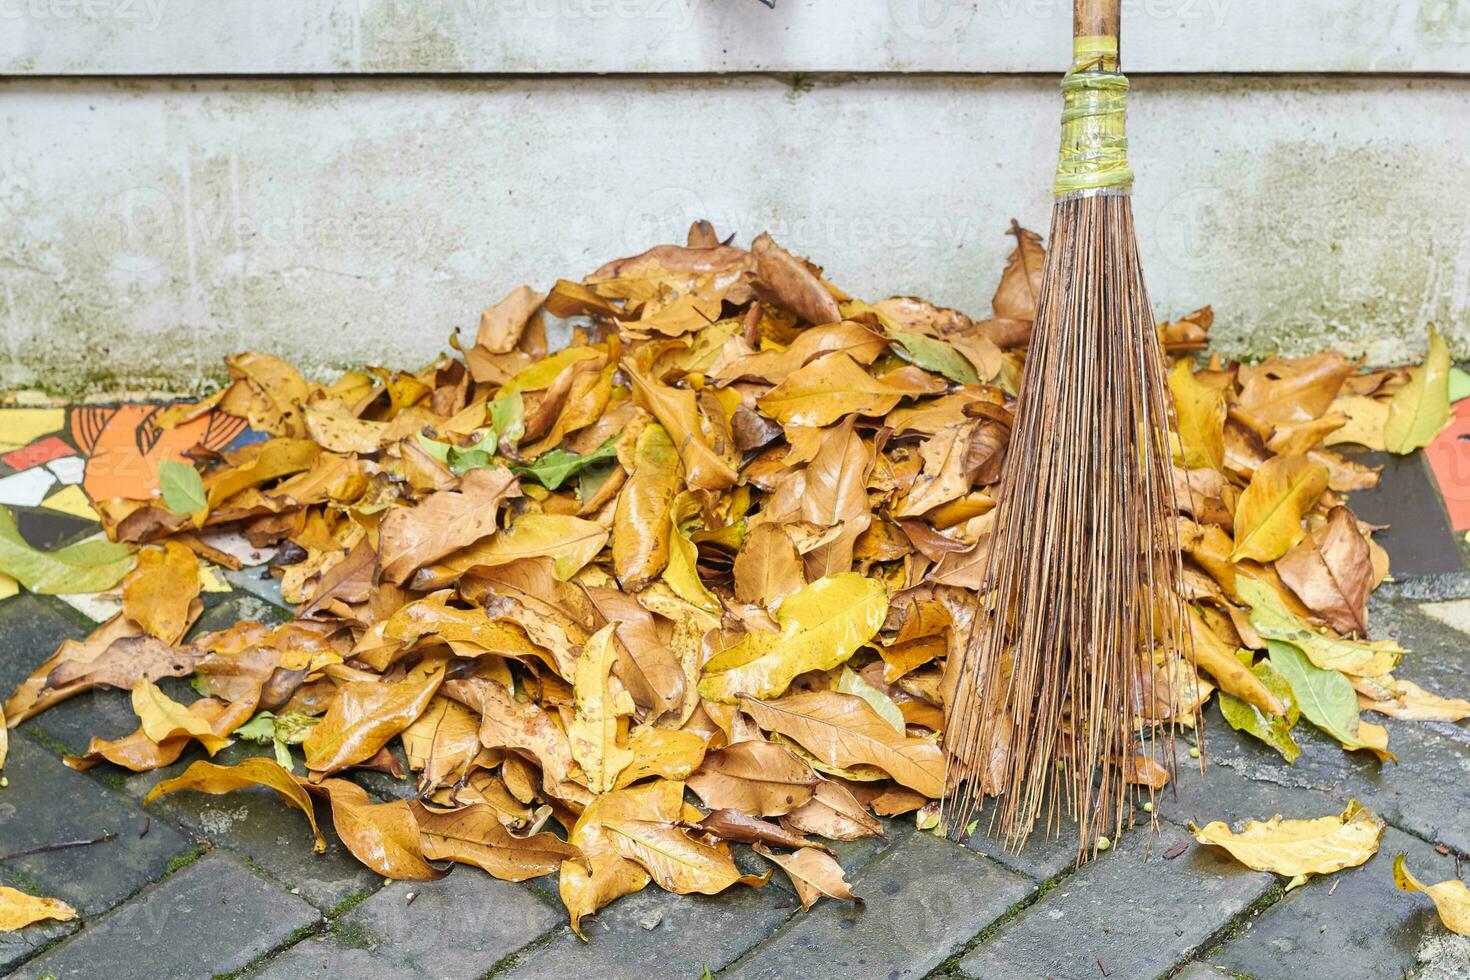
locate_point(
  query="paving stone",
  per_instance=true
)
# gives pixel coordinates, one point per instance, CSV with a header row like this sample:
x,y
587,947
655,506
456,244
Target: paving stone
x,y
1043,857
225,610
31,628
17,947
655,933
1201,971
1353,925
320,957
46,803
922,901
256,825
1137,912
1418,539
1222,792
215,916
259,581
457,927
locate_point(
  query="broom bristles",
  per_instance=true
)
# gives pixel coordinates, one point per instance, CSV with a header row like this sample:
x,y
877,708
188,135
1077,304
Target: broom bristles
x,y
1083,574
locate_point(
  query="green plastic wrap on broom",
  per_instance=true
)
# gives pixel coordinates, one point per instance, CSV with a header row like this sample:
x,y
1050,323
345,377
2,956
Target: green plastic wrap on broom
x,y
1094,153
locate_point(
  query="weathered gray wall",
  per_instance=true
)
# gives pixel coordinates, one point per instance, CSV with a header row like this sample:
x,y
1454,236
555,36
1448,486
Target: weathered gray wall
x,y
149,225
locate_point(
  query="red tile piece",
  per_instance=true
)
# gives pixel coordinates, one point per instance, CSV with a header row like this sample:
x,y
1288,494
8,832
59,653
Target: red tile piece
x,y
1449,460
38,452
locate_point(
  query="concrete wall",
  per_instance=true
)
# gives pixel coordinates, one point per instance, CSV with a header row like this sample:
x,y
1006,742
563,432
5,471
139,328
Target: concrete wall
x,y
149,224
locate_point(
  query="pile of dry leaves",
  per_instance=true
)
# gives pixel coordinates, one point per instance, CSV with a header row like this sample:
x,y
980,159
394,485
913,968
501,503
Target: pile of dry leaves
x,y
720,549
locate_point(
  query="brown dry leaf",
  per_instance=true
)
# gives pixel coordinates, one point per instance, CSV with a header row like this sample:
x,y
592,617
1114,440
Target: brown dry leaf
x,y
843,730
768,567
206,777
447,521
813,874
1330,570
791,283
755,777
570,541
18,910
835,813
1407,700
1279,391
502,325
443,743
159,593
476,836
736,825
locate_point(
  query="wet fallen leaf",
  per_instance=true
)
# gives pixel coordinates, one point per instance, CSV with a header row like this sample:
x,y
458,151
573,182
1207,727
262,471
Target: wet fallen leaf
x,y
18,910
1299,847
1451,898
813,874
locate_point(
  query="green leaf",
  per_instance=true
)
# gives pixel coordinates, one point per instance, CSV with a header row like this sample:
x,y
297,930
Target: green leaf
x,y
89,566
851,683
461,461
1326,697
1271,618
554,468
1274,731
1459,385
934,355
183,490
508,419
439,450
1420,409
261,728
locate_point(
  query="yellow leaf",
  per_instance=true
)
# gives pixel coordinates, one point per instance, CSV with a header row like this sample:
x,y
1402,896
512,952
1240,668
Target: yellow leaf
x,y
570,541
18,910
601,700
826,390
1405,699
364,716
640,536
163,718
1268,518
1366,418
206,777
159,593
682,571
1299,847
1201,412
822,625
1421,408
1451,898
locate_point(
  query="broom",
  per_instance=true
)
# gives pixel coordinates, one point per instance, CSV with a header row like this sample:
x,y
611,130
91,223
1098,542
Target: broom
x,y
1081,604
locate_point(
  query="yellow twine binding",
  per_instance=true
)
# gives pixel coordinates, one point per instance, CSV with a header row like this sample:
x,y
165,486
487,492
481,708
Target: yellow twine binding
x,y
1094,154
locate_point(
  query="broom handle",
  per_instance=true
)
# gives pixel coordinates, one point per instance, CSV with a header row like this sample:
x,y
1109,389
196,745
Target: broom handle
x,y
1096,18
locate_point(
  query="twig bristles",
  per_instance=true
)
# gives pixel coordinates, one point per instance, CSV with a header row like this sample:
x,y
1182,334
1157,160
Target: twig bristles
x,y
1083,574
